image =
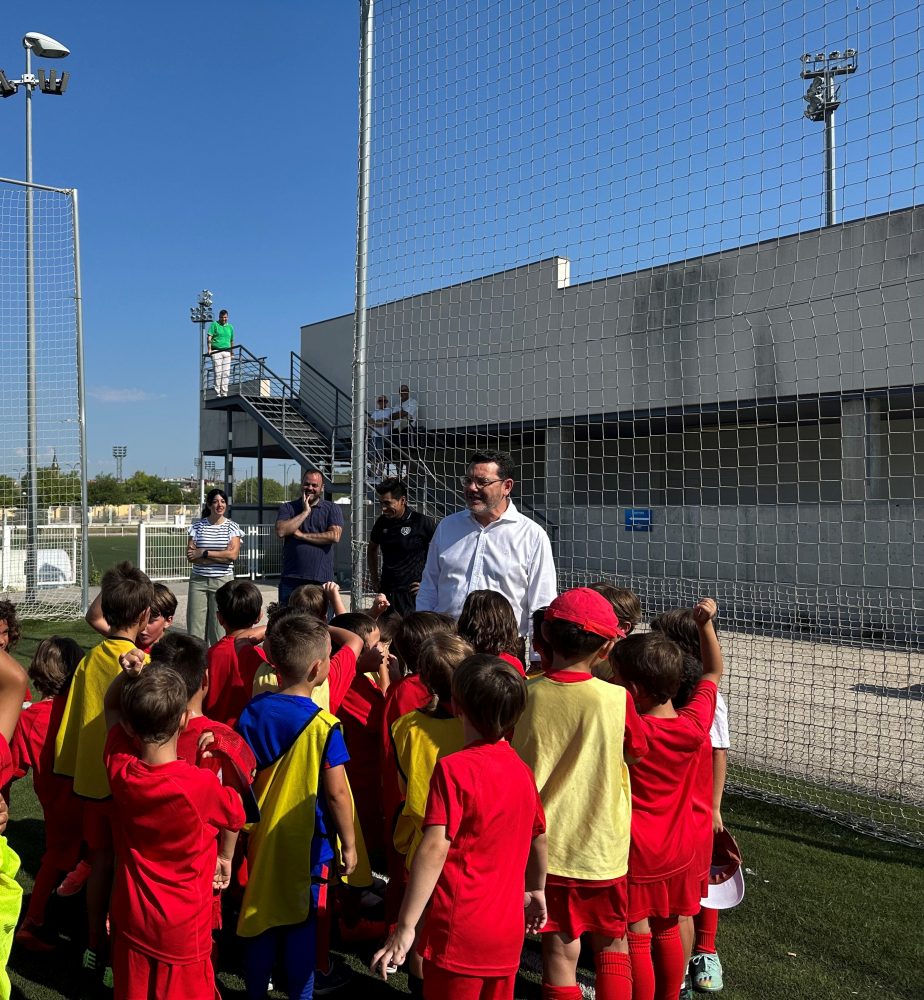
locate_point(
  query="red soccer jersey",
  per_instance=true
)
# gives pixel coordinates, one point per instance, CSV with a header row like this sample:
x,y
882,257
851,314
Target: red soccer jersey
x,y
486,798
233,748
231,673
6,763
165,825
34,747
663,838
361,718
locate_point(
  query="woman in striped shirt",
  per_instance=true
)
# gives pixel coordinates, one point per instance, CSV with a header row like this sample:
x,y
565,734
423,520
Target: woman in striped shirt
x,y
213,545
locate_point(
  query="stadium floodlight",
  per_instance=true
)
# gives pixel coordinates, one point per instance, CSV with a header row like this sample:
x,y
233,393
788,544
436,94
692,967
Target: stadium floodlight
x,y
45,46
7,87
822,99
119,451
51,84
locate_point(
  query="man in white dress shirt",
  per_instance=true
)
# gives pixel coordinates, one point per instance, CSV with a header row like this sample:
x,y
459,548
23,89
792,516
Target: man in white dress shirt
x,y
488,546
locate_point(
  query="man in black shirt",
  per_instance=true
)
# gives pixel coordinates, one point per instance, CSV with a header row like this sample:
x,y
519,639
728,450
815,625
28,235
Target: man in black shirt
x,y
402,536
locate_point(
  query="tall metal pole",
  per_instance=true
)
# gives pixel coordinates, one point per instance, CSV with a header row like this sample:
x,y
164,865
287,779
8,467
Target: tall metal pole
x,y
31,416
81,418
830,156
201,404
358,477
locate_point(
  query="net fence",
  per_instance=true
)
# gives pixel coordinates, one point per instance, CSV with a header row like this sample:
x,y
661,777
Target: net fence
x,y
42,573
602,237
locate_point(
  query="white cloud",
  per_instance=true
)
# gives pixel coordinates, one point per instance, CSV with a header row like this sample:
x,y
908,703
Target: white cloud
x,y
109,394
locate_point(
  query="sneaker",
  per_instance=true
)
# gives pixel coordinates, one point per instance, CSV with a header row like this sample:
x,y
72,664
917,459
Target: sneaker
x,y
330,982
107,978
706,970
74,881
686,991
90,973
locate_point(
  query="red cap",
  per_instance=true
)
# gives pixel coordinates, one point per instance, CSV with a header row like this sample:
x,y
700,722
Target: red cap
x,y
588,609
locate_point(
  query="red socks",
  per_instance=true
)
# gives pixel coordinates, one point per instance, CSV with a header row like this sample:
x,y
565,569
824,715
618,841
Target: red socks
x,y
614,976
667,955
706,923
643,981
561,992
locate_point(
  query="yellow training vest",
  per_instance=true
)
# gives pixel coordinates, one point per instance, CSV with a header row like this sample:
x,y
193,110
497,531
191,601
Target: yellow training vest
x,y
571,735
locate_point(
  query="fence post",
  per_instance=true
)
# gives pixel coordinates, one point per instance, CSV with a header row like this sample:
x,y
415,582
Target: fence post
x,y
6,554
142,546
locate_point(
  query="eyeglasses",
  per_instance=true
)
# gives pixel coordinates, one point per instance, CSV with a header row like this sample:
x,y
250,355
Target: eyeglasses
x,y
480,484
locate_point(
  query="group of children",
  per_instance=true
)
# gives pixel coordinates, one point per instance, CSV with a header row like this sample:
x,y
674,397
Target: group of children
x,y
576,798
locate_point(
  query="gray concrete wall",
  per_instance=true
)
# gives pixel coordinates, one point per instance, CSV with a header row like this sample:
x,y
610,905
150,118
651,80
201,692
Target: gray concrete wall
x,y
328,347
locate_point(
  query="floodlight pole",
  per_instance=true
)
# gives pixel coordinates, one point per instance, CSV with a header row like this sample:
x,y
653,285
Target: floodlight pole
x,y
823,99
31,565
358,456
201,313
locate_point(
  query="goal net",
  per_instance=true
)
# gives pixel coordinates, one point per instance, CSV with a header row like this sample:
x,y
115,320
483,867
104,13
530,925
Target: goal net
x,y
41,513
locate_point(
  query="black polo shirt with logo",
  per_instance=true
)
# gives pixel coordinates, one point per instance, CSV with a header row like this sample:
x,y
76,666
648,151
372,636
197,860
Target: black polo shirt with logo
x,y
403,542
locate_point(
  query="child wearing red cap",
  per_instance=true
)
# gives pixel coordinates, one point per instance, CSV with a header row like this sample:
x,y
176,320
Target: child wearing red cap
x,y
578,734
481,859
664,871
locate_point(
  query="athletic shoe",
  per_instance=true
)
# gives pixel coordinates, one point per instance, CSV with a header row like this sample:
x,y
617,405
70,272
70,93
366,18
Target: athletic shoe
x,y
706,970
90,974
332,981
74,881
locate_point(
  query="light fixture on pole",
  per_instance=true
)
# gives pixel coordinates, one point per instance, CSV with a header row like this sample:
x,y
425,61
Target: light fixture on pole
x,y
119,451
44,47
201,313
822,99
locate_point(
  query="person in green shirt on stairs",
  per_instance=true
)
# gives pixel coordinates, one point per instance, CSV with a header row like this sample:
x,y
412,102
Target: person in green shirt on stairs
x,y
221,341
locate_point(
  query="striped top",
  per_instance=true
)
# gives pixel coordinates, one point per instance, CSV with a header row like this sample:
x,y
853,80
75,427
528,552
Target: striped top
x,y
214,537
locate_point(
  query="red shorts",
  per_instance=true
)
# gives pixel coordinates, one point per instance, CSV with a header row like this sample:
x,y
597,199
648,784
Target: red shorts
x,y
441,984
137,976
97,824
587,906
675,896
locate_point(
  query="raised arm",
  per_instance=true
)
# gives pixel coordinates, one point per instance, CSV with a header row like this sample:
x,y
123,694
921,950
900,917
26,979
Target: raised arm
x,y
289,525
95,617
710,650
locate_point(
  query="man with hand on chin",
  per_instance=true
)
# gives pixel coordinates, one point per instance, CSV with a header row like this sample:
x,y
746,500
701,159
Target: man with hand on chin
x,y
310,527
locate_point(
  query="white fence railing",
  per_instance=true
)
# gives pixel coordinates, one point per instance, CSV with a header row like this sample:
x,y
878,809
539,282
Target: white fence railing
x,y
162,551
58,556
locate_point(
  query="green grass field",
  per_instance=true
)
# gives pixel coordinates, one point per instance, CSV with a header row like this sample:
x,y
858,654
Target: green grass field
x,y
107,550
828,913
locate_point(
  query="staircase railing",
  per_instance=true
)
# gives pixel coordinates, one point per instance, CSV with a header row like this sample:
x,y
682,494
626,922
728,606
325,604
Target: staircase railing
x,y
326,406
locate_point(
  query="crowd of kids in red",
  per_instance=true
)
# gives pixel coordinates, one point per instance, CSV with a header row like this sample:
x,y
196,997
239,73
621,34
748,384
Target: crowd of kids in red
x,y
578,801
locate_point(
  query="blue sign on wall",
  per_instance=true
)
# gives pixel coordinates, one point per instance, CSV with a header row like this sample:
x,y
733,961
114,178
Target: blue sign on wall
x,y
638,519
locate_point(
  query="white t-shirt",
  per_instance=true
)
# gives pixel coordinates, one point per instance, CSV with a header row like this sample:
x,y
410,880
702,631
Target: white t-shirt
x,y
718,734
410,408
382,431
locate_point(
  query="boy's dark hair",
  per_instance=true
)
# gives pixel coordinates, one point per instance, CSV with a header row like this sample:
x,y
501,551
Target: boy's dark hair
x,y
489,624
538,639
309,597
414,628
53,665
505,464
295,641
652,663
569,639
153,704
356,622
437,659
625,603
125,594
394,487
388,626
239,603
680,625
690,675
185,654
490,693
163,604
8,615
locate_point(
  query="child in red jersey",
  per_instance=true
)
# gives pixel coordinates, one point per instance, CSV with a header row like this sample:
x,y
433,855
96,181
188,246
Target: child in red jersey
x,y
163,608
664,875
488,623
481,861
234,660
578,734
50,672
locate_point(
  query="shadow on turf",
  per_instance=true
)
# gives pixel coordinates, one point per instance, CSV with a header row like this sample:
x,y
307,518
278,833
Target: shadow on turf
x,y
913,692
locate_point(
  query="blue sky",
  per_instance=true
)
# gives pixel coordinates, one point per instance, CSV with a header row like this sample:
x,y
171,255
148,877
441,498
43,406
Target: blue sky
x,y
213,146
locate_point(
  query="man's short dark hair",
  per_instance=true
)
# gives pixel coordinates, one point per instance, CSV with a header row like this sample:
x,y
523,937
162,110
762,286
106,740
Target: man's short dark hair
x,y
239,603
295,641
153,704
185,654
506,468
490,693
125,594
652,663
393,487
569,639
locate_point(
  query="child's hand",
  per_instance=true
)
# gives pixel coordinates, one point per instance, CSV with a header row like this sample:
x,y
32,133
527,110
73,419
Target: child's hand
x,y
394,953
705,611
222,877
132,662
717,825
380,604
205,741
348,860
536,912
330,590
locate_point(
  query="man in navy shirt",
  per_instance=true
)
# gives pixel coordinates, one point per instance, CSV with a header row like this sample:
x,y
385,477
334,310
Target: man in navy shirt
x,y
310,528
